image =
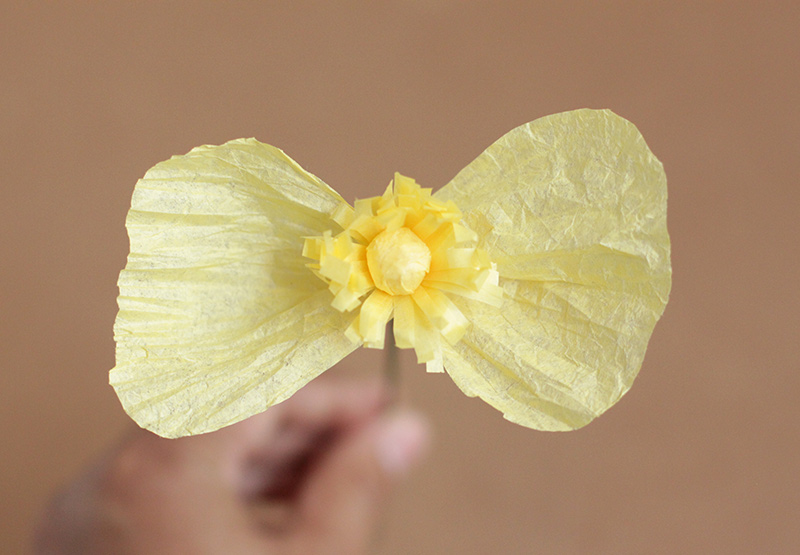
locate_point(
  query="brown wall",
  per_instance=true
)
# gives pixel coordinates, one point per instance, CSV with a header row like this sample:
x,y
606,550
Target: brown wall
x,y
700,456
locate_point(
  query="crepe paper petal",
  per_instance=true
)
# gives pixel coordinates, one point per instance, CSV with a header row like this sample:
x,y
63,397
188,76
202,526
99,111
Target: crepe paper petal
x,y
572,210
219,317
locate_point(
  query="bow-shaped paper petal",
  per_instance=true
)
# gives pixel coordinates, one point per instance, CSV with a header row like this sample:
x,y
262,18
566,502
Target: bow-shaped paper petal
x,y
547,267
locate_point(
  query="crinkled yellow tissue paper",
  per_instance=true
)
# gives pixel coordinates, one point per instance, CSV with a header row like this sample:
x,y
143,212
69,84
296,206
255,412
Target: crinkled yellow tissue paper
x,y
534,278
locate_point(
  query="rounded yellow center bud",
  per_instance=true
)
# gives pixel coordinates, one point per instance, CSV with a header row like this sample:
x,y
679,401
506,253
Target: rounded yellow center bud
x,y
398,261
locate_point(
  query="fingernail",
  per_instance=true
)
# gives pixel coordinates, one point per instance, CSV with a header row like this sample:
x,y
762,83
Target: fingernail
x,y
402,442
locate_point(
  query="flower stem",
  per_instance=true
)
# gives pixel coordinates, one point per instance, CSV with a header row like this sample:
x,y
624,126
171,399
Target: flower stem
x,y
392,368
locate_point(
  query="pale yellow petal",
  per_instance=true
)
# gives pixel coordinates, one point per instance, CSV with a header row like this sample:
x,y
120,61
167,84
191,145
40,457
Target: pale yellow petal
x,y
572,209
375,314
404,322
219,316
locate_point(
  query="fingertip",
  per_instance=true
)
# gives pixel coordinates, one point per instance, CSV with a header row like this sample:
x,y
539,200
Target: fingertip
x,y
347,492
402,441
336,402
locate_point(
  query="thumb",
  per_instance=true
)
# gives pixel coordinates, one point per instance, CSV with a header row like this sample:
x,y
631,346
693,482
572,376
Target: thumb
x,y
343,497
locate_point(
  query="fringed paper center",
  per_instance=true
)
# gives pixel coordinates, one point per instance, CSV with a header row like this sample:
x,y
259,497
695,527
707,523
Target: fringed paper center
x,y
399,257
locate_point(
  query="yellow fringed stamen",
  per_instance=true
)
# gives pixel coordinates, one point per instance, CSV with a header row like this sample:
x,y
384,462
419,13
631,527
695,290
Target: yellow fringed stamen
x,y
399,257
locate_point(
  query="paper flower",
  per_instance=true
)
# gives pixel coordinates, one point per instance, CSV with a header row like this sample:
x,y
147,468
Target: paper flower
x,y
534,278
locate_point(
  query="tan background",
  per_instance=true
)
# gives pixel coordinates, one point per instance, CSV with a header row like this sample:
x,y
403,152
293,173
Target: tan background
x,y
700,457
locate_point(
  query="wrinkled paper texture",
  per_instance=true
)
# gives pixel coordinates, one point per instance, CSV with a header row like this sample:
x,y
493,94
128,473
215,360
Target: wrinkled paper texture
x,y
573,210
220,318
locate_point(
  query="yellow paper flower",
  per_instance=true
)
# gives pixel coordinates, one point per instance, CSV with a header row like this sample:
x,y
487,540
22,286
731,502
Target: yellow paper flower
x,y
534,278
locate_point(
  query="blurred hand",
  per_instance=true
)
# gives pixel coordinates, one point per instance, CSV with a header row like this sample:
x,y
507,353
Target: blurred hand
x,y
310,475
